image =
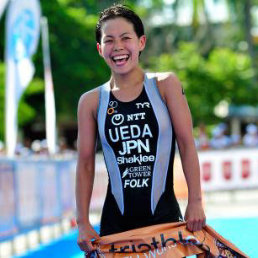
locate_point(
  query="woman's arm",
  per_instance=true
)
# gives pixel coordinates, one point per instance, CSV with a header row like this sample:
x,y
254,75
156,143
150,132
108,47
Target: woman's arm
x,y
174,97
85,167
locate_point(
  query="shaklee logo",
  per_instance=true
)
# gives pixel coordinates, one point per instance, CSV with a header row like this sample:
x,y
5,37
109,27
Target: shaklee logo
x,y
144,247
135,159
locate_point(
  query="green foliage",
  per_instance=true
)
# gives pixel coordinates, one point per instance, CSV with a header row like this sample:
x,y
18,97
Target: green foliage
x,y
2,97
234,74
26,111
208,73
224,75
29,106
76,65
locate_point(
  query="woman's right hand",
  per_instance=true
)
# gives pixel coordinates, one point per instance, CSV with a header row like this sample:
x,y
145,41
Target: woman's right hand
x,y
85,237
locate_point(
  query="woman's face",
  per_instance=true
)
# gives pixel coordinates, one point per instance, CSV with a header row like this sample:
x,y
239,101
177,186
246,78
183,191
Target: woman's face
x,y
120,45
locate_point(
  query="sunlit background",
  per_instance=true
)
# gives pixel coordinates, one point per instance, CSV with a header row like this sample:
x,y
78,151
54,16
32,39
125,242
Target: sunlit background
x,y
211,45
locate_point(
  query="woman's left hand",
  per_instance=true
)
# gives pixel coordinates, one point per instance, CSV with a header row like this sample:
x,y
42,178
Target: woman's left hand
x,y
194,216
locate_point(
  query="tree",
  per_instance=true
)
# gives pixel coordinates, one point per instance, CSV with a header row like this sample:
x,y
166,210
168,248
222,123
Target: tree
x,y
240,13
224,75
76,65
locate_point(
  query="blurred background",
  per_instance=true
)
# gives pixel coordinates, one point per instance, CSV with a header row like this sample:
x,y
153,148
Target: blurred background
x,y
212,46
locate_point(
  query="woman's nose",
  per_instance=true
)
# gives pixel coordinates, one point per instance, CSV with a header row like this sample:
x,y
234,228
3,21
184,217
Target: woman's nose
x,y
118,45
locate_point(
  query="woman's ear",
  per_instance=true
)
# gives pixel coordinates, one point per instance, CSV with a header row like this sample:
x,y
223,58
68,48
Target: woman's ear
x,y
99,49
142,42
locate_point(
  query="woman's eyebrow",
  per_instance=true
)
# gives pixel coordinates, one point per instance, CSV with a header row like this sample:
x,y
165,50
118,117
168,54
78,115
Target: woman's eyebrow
x,y
124,34
111,36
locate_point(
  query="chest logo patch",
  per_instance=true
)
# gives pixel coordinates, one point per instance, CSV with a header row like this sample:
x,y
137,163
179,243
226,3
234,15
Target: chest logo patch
x,y
142,105
113,104
137,177
117,119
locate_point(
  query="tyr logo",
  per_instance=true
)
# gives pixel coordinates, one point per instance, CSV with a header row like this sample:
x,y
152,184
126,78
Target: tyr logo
x,y
142,105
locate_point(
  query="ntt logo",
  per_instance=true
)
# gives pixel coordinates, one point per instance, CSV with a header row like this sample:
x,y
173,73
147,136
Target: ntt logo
x,y
117,119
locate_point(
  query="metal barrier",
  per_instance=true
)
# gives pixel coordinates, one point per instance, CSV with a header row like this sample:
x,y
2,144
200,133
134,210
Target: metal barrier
x,y
232,169
38,193
34,193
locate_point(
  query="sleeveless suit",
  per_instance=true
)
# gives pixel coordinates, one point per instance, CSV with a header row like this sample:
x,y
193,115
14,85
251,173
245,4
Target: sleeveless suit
x,y
138,143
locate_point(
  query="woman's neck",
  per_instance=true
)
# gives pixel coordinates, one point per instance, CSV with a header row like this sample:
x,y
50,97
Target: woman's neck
x,y
129,80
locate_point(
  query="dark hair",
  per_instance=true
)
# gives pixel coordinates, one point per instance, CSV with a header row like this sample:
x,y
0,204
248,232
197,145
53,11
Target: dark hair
x,y
122,11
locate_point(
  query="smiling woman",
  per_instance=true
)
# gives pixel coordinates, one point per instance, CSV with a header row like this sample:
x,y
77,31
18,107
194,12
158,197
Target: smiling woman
x,y
120,45
139,116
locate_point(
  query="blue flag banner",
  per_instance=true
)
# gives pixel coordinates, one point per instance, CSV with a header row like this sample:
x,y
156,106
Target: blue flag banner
x,y
22,34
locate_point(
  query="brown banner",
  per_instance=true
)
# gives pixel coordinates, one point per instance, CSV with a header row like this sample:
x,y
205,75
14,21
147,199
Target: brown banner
x,y
166,241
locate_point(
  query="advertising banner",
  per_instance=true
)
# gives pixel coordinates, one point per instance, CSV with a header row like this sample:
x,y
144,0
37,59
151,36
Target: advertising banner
x,y
7,200
72,169
65,188
27,194
50,204
232,169
100,185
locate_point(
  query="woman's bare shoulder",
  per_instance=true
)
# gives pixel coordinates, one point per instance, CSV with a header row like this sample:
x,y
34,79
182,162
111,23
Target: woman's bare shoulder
x,y
168,84
89,101
166,78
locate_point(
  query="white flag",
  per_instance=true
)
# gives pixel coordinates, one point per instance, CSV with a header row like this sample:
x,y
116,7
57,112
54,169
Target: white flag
x,y
22,34
49,90
2,6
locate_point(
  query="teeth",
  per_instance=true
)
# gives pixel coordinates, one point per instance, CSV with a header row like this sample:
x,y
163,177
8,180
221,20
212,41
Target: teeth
x,y
120,57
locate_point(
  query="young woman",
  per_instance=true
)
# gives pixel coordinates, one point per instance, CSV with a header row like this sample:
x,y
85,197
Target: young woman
x,y
138,117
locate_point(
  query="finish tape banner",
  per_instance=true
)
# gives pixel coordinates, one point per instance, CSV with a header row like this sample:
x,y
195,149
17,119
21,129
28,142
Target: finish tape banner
x,y
166,240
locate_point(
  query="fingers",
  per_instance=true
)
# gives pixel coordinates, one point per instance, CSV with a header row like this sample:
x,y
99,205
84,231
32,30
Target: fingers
x,y
85,240
92,234
95,235
195,224
85,246
86,237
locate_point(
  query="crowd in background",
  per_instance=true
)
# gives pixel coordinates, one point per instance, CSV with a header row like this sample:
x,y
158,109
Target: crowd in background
x,y
219,139
39,147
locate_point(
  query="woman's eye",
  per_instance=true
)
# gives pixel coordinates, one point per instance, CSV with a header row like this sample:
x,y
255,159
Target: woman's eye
x,y
108,41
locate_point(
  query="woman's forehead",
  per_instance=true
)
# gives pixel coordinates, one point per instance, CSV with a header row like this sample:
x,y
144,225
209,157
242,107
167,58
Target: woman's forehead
x,y
116,26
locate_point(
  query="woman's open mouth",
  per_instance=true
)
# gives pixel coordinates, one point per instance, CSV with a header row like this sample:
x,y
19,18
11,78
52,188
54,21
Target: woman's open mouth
x,y
120,60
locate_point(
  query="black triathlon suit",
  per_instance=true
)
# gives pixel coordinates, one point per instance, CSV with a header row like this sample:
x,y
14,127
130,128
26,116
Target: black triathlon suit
x,y
138,142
